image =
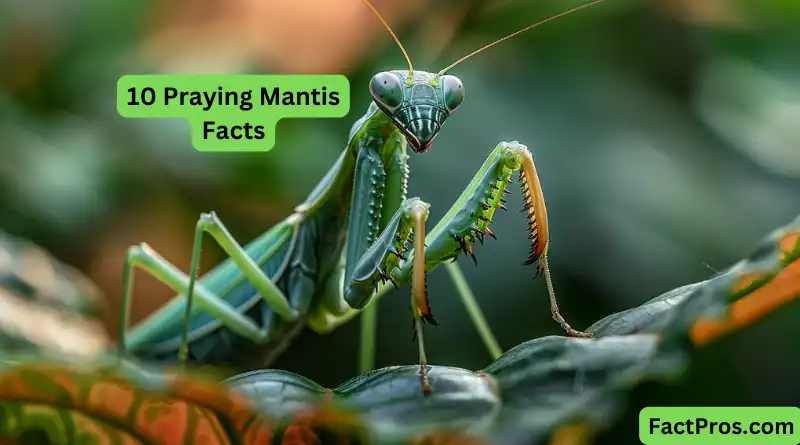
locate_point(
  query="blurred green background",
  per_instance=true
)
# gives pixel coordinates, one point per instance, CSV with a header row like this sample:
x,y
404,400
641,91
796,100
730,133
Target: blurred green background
x,y
665,134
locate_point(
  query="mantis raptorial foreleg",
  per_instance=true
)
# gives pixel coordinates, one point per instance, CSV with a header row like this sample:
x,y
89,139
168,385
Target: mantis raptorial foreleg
x,y
465,222
375,266
469,218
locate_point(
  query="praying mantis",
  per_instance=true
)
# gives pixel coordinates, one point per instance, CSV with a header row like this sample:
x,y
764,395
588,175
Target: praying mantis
x,y
355,232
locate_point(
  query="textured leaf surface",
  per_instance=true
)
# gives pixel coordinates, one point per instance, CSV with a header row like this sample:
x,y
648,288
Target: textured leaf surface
x,y
388,400
391,401
46,306
555,381
745,292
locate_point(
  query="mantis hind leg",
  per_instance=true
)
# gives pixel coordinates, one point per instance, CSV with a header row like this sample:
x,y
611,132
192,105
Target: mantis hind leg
x,y
145,258
302,287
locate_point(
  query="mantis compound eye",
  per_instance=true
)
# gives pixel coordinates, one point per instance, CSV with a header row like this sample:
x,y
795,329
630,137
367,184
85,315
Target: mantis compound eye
x,y
386,90
453,91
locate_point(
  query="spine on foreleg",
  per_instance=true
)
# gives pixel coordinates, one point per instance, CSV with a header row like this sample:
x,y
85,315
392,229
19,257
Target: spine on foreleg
x,y
365,212
469,218
534,206
382,257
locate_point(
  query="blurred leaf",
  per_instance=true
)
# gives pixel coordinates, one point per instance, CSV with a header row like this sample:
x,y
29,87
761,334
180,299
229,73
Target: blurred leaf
x,y
279,393
755,111
61,404
46,306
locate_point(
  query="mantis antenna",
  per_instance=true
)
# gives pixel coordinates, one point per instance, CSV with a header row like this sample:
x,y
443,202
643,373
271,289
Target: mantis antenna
x,y
388,28
575,9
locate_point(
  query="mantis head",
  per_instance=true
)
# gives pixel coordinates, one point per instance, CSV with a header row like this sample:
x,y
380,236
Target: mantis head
x,y
417,102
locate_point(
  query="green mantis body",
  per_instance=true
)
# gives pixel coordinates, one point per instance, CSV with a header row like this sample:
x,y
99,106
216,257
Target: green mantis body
x,y
356,231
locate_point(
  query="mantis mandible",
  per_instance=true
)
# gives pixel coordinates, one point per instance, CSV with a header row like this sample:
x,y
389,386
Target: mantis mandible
x,y
356,231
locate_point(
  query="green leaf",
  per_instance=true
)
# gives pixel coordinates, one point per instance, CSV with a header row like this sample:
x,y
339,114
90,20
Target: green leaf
x,y
391,401
554,381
